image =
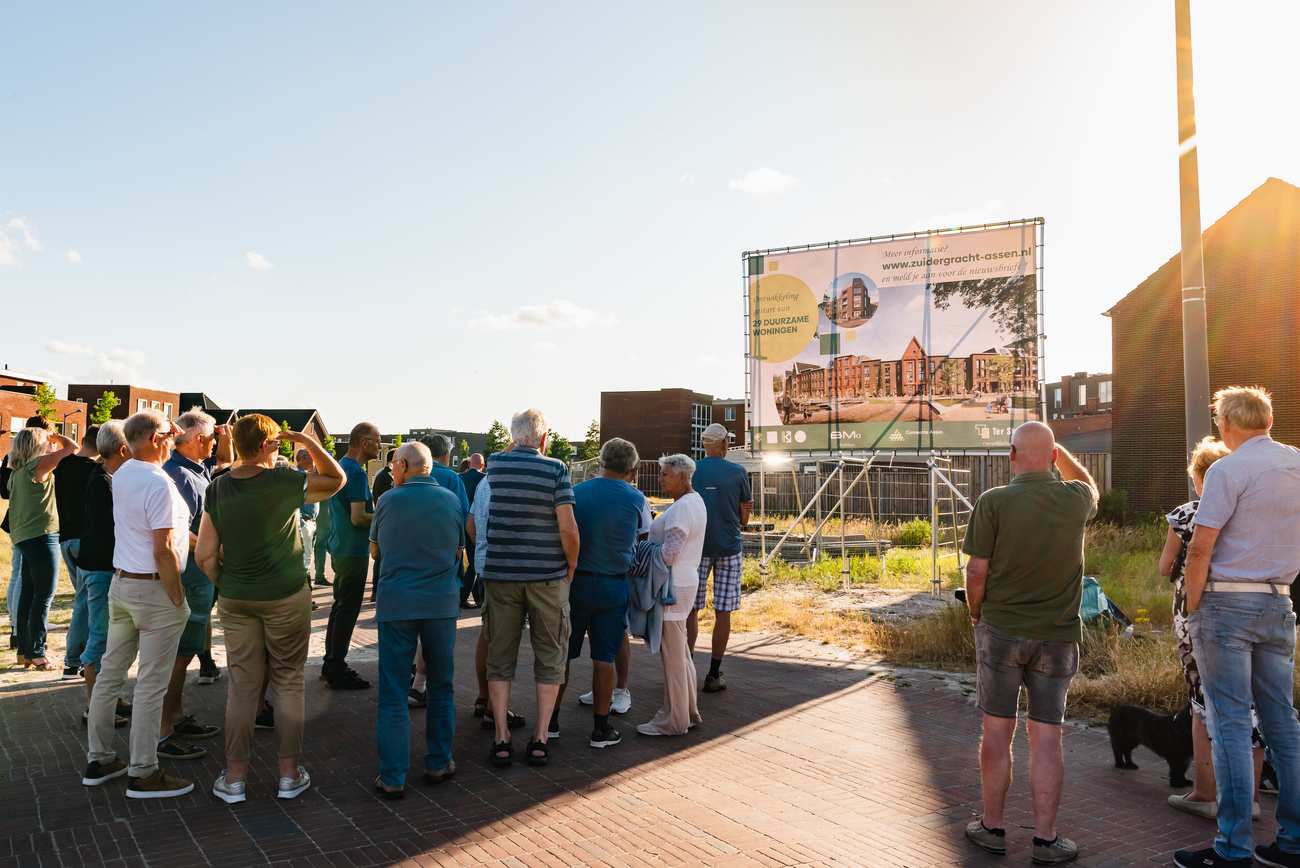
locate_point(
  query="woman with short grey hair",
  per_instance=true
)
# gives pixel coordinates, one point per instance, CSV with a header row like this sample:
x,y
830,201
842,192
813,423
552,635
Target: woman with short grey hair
x,y
679,530
34,529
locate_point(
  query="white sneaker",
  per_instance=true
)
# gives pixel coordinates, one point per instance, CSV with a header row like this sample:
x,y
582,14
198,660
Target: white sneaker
x,y
232,793
622,701
588,698
292,788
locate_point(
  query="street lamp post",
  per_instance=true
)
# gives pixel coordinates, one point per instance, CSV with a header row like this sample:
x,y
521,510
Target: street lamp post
x,y
1196,365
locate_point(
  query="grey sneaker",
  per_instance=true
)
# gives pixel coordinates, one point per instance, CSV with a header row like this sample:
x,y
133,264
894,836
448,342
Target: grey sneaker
x,y
1060,850
230,792
292,788
440,775
987,839
715,683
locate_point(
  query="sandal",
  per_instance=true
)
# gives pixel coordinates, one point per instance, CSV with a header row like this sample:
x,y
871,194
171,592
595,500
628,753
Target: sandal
x,y
502,754
385,792
535,759
513,721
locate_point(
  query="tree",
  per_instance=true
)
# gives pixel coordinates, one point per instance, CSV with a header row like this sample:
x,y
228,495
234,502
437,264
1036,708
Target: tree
x,y
498,438
329,444
103,409
559,447
398,441
286,447
1010,301
591,445
45,399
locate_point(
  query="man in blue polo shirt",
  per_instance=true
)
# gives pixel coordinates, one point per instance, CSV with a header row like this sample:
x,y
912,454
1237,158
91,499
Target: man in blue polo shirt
x,y
724,486
418,529
439,446
350,514
608,511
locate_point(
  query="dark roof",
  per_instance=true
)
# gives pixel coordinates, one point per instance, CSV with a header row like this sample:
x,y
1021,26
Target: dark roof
x,y
1263,196
298,420
190,400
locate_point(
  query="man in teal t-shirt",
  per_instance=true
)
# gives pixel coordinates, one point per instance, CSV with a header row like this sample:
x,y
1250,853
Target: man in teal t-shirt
x,y
350,514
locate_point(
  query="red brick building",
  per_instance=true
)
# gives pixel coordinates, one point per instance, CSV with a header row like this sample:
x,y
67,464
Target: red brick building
x,y
730,413
1252,276
133,399
17,403
662,422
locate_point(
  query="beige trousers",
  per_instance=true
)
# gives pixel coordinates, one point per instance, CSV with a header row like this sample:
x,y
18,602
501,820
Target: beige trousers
x,y
264,635
141,619
680,711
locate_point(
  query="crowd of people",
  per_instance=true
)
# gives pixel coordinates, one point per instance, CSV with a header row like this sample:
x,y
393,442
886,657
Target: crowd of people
x,y
1232,553
160,523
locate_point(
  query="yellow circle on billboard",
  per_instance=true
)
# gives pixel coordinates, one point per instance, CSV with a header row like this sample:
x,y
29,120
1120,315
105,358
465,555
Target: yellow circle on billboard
x,y
782,317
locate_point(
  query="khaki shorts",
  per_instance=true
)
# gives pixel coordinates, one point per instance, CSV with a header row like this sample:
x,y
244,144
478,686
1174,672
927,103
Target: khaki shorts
x,y
1005,663
547,607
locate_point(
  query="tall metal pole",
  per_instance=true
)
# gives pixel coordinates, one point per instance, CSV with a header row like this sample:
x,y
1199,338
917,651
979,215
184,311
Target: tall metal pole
x,y
1196,365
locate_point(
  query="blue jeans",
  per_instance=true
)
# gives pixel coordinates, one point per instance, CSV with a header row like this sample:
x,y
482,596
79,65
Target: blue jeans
x,y
15,588
40,569
77,627
96,584
397,639
1244,646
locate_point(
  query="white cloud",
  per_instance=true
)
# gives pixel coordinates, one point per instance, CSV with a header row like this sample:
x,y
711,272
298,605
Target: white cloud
x,y
556,314
257,261
992,212
764,182
17,233
545,346
64,348
73,257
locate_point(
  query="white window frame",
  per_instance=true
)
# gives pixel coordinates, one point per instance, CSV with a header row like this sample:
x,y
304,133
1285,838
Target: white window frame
x,y
141,405
1056,396
1105,392
1082,395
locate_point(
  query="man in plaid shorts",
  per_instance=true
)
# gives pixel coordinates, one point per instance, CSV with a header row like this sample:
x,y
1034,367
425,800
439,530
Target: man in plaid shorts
x,y
728,499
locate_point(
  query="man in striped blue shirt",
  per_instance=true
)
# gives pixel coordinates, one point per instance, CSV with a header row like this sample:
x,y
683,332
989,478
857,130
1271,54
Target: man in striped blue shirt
x,y
532,551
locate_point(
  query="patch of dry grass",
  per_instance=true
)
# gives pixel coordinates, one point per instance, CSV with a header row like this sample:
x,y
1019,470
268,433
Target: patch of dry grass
x,y
60,612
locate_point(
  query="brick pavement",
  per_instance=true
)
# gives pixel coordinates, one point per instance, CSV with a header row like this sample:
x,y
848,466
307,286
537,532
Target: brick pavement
x,y
811,758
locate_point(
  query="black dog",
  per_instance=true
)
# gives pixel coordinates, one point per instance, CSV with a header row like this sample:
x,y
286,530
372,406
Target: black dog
x,y
1169,736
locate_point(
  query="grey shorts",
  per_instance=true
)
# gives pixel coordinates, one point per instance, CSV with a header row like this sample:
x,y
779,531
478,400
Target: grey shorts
x,y
1005,663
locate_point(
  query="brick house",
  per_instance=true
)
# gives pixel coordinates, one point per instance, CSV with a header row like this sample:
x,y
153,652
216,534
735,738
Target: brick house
x,y
132,399
1252,275
661,422
18,403
1078,394
730,413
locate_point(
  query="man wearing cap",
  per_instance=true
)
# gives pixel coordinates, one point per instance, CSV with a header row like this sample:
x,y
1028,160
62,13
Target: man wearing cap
x,y
724,486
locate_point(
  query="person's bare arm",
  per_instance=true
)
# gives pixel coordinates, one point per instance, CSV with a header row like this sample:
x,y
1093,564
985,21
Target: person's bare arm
x,y
746,509
50,460
470,531
359,516
225,453
1197,570
207,553
168,565
327,477
1173,544
1071,469
977,573
374,550
568,535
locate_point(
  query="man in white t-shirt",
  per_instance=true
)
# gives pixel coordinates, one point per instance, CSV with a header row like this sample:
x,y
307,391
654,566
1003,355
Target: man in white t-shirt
x,y
147,610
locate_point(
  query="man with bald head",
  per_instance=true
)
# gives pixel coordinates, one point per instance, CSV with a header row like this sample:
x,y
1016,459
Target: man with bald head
x,y
351,511
418,530
1024,583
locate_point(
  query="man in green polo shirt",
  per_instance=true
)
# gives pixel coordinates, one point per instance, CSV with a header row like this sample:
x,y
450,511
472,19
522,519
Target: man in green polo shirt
x,y
1024,583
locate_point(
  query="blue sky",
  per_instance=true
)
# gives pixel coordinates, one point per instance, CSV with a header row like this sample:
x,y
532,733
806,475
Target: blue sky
x,y
435,214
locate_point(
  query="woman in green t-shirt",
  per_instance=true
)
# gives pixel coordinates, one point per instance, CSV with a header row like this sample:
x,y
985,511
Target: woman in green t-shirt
x,y
34,529
249,545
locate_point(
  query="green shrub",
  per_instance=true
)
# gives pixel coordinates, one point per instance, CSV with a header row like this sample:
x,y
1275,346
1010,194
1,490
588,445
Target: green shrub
x,y
914,534
1112,508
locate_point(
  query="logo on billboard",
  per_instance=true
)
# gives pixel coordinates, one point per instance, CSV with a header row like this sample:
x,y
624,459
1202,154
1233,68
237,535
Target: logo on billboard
x,y
896,436
846,435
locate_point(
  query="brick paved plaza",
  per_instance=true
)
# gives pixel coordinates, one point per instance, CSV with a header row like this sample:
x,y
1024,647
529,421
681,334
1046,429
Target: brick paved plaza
x,y
811,758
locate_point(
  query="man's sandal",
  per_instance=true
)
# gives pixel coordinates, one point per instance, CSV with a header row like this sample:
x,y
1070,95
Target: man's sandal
x,y
502,754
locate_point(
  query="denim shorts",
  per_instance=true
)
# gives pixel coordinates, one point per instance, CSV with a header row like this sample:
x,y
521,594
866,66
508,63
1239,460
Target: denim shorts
x,y
598,605
200,594
1005,663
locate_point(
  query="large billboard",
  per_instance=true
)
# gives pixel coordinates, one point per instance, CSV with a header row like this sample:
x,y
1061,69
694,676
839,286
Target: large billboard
x,y
916,343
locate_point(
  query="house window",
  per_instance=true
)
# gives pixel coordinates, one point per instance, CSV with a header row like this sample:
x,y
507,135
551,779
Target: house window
x,y
141,404
16,424
1104,392
729,414
155,405
1083,396
167,410
1056,397
73,435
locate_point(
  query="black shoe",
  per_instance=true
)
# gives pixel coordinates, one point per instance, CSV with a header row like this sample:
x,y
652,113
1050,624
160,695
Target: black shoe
x,y
70,672
416,698
98,773
605,736
323,582
1276,857
188,727
348,680
123,708
1207,858
209,672
1268,779
13,642
173,749
265,718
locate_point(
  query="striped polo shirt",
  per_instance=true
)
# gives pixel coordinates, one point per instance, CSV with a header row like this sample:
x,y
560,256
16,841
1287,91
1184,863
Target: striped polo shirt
x,y
523,537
